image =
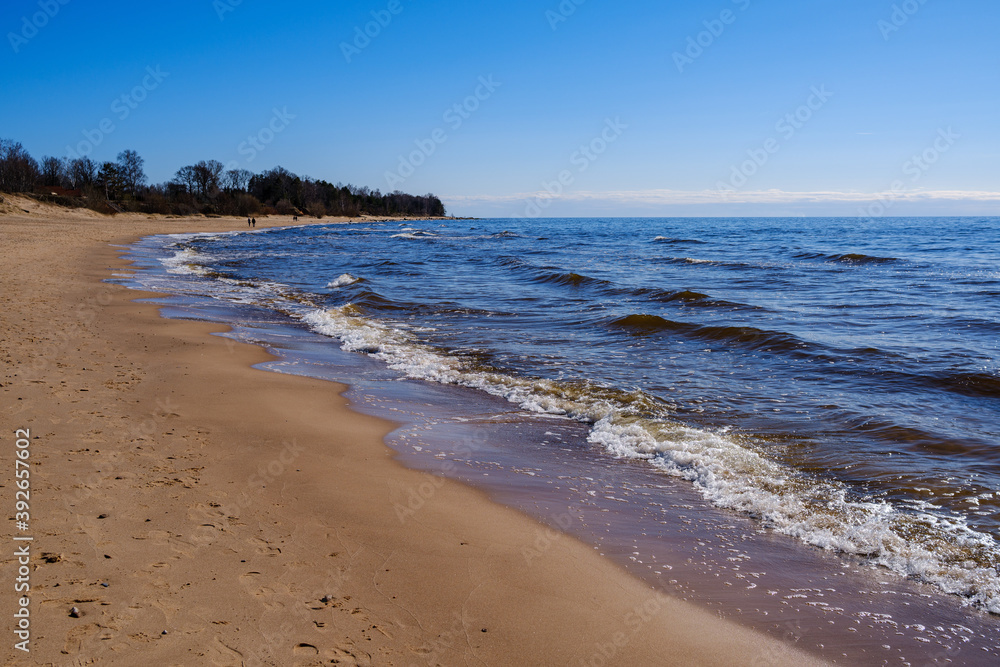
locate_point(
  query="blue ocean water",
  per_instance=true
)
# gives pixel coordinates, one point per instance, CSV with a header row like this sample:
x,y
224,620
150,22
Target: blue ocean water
x,y
833,380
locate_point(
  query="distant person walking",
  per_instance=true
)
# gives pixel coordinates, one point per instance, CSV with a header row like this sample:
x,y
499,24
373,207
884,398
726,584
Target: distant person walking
x,y
248,222
255,223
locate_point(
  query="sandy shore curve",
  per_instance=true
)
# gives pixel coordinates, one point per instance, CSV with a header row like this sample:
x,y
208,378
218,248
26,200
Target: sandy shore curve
x,y
197,511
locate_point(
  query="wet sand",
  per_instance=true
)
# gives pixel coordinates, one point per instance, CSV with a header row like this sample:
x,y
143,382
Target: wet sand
x,y
195,510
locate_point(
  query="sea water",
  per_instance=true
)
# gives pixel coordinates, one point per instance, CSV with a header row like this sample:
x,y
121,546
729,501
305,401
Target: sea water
x,y
793,420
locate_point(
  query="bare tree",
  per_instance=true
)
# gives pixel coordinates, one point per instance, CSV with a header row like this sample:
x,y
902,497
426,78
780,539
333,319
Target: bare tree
x,y
187,178
237,180
207,176
53,173
82,172
18,170
202,178
130,171
215,169
110,179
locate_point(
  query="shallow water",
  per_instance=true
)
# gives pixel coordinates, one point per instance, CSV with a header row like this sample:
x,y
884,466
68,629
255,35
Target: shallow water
x,y
785,417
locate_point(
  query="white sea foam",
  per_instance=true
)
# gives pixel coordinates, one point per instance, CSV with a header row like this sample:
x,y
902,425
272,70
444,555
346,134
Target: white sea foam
x,y
730,472
939,549
187,261
411,233
396,348
342,281
917,539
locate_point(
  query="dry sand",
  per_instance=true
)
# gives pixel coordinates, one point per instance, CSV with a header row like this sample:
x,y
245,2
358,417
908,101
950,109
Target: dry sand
x,y
197,511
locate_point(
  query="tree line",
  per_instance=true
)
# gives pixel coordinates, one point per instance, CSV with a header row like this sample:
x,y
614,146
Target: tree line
x,y
206,187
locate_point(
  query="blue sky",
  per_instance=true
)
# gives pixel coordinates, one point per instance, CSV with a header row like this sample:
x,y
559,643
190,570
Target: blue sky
x,y
717,107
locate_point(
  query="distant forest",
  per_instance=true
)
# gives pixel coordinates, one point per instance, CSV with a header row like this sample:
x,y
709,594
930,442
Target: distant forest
x,y
207,188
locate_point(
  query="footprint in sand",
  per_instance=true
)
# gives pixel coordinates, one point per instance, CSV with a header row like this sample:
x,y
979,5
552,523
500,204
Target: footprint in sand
x,y
264,547
223,654
265,594
76,637
250,578
333,656
345,656
303,650
206,534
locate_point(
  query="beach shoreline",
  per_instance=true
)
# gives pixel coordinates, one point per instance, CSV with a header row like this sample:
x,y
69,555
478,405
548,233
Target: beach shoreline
x,y
195,510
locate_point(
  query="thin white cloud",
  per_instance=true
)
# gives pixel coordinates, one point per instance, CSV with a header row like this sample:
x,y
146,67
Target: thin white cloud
x,y
673,197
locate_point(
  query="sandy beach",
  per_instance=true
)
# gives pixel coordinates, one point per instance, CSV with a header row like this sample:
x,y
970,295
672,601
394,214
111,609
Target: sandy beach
x,y
193,510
